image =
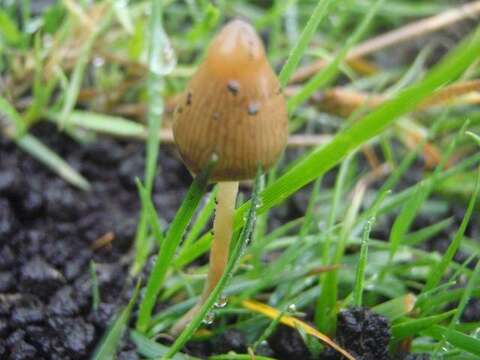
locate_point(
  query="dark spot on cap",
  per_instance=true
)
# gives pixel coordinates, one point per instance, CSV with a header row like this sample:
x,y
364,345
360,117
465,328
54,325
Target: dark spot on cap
x,y
179,109
233,86
189,98
253,109
216,116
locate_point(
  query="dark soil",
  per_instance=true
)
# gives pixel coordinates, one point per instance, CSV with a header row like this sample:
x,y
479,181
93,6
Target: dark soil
x,y
47,236
363,333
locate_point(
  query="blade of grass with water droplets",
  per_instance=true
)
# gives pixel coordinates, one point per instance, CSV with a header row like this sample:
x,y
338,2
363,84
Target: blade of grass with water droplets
x,y
169,245
235,255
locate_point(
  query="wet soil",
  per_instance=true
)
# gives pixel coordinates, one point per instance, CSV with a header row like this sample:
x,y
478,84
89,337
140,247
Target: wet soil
x,y
49,234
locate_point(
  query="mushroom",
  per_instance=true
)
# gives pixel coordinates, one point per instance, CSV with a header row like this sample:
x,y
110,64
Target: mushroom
x,y
233,109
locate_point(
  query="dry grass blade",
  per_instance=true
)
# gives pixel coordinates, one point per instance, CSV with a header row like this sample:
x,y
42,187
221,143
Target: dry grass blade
x,y
293,322
405,33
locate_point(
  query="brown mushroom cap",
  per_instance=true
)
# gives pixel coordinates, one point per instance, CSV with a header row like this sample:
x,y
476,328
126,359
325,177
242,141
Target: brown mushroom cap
x,y
233,107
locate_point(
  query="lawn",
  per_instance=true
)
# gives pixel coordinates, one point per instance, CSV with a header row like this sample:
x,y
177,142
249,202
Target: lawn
x,y
325,154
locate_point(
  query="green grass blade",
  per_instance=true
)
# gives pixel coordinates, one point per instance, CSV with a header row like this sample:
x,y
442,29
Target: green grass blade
x,y
45,155
95,287
319,13
333,68
412,327
437,272
13,117
107,347
151,213
9,29
427,232
169,245
236,253
456,338
158,65
332,216
103,124
474,136
395,308
78,73
201,221
238,357
151,349
30,144
362,264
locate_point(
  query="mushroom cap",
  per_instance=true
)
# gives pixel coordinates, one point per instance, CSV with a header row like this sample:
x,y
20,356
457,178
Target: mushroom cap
x,y
233,107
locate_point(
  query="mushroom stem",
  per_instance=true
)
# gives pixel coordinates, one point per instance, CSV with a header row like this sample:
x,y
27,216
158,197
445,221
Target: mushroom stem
x,y
223,228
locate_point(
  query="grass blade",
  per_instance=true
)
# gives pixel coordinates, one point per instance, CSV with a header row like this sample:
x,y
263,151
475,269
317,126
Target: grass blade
x,y
236,253
362,264
151,349
102,123
295,323
78,73
169,245
456,338
107,347
158,66
319,13
437,272
41,152
412,327
327,74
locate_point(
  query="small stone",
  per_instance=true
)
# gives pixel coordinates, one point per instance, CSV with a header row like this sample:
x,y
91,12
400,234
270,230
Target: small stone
x,y
7,302
8,183
7,258
15,337
32,203
62,204
7,281
231,340
63,303
27,311
3,327
40,278
7,220
22,351
76,335
43,338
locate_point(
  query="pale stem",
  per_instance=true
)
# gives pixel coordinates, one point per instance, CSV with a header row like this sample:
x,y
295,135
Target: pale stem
x,y
222,235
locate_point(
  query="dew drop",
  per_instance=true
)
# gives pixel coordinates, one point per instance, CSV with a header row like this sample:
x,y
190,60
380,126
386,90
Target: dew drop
x,y
209,318
98,61
222,301
214,157
162,57
292,308
233,86
216,116
253,108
